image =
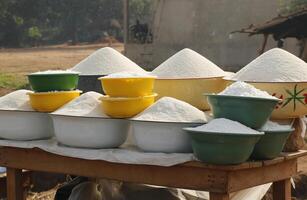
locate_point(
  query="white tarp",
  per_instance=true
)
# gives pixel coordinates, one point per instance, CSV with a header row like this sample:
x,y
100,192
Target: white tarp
x,y
128,155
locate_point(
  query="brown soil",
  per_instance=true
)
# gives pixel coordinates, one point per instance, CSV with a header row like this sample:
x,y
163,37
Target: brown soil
x,y
23,61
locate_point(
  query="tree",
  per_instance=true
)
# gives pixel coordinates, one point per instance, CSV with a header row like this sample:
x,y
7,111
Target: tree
x,y
28,22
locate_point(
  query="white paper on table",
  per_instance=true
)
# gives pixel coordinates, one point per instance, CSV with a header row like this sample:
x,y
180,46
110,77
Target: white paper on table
x,y
127,155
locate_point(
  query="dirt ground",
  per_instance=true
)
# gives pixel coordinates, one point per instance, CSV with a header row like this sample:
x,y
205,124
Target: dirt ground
x,y
23,61
16,63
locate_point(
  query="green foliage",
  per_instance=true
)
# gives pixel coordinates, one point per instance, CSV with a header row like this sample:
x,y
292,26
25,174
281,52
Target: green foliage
x,y
18,20
289,6
13,81
140,10
58,21
34,32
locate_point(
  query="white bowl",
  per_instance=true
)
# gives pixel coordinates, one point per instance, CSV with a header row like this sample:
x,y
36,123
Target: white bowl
x,y
90,132
167,137
25,125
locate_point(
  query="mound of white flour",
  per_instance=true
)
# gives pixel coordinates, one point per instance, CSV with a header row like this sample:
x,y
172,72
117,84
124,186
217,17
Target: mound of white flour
x,y
17,100
274,126
129,75
222,125
188,64
242,89
168,109
106,61
275,65
56,72
87,105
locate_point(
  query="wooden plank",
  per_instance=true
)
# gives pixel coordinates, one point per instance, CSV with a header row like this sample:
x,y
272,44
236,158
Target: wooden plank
x,y
14,184
293,155
242,179
246,165
251,164
216,196
282,190
202,177
2,187
26,181
273,161
179,176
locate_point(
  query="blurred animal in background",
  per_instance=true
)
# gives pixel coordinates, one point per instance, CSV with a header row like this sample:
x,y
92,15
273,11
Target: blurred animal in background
x,y
140,33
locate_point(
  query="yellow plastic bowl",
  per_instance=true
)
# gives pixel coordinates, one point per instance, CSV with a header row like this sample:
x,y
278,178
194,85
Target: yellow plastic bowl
x,y
121,107
51,101
190,90
127,87
293,96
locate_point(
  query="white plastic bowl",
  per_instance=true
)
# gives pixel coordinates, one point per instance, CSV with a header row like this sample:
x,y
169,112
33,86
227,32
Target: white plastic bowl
x,y
25,125
167,137
90,132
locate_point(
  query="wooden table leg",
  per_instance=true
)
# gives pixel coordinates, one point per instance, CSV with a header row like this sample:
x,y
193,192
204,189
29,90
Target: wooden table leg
x,y
217,196
282,190
14,184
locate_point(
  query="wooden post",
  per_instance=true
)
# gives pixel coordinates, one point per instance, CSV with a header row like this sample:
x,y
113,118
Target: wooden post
x,y
217,196
264,43
282,190
14,184
126,23
304,50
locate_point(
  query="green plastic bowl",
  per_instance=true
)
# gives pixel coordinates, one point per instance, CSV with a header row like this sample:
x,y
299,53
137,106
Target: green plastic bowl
x,y
222,148
53,82
271,144
250,111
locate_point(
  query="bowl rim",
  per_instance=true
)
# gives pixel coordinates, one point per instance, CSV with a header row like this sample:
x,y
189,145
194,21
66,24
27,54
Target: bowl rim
x,y
92,75
108,98
122,78
277,131
86,117
165,122
193,131
190,78
53,92
241,97
23,111
277,82
54,74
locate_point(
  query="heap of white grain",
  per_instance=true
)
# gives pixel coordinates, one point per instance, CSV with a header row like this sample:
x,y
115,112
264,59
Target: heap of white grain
x,y
188,64
106,61
275,65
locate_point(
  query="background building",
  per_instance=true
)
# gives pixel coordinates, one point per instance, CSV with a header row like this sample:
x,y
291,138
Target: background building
x,y
205,26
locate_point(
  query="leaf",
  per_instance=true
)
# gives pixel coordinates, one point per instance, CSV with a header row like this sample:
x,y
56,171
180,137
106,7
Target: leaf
x,y
299,92
300,100
289,92
295,88
287,102
294,105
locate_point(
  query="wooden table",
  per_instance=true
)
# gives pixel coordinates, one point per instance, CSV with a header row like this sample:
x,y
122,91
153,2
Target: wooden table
x,y
220,181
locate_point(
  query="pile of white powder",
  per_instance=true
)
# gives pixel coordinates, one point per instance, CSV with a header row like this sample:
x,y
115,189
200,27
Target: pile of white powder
x,y
188,64
56,72
242,89
87,105
106,61
222,125
275,65
274,126
129,75
168,109
17,100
